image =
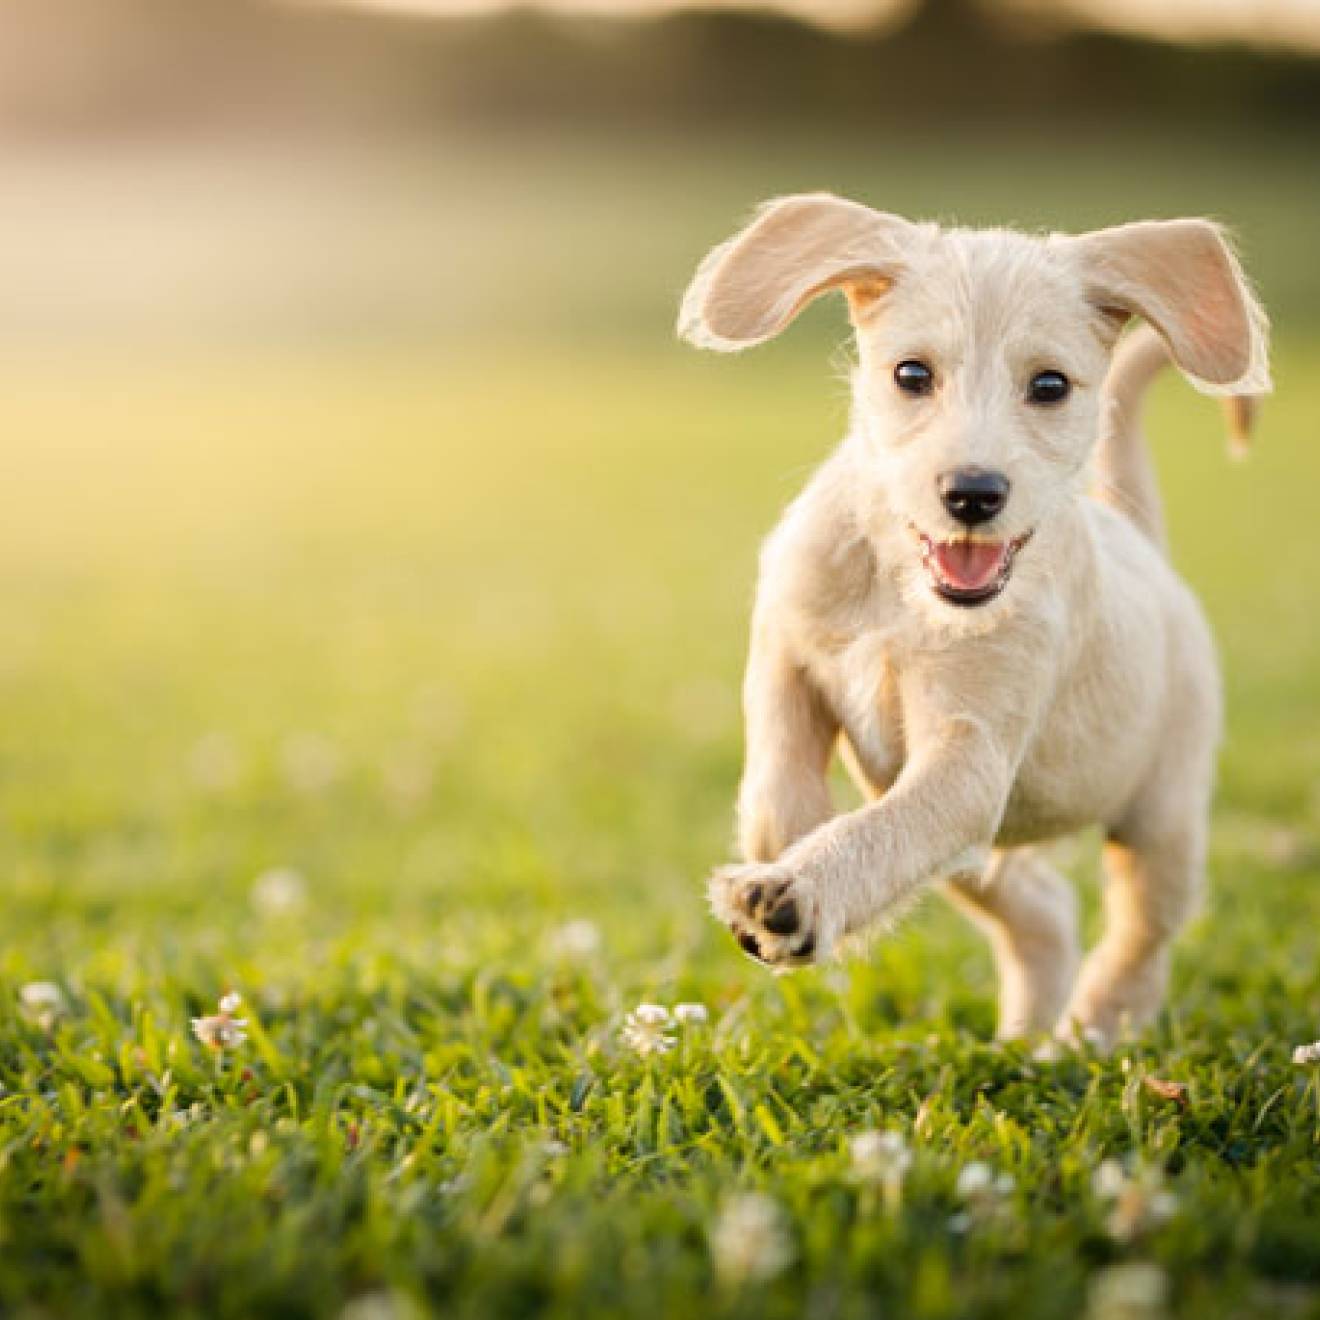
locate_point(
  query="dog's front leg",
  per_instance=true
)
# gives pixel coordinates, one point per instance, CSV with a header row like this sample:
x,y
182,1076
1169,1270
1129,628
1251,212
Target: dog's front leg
x,y
862,868
790,732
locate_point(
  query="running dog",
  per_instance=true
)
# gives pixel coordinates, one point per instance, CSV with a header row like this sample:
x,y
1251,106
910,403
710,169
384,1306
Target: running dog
x,y
972,598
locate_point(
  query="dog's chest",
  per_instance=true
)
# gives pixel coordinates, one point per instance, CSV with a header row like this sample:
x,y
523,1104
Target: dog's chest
x,y
865,690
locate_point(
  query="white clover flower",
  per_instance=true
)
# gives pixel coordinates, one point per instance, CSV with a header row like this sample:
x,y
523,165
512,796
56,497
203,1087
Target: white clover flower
x,y
181,1118
1287,847
1109,1180
578,939
1140,1203
279,891
978,1181
311,762
877,1156
1305,1055
407,776
380,1306
219,1031
749,1240
690,1015
973,1179
880,1159
215,763
984,1194
1134,1290
222,1030
41,994
647,1029
42,1002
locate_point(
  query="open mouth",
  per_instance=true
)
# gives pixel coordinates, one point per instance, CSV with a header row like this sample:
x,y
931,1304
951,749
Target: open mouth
x,y
969,572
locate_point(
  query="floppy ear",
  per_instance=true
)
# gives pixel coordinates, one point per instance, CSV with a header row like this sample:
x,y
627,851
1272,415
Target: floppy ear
x,y
748,289
1182,276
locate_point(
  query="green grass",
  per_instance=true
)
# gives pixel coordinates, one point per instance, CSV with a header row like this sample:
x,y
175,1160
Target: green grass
x,y
468,660
457,636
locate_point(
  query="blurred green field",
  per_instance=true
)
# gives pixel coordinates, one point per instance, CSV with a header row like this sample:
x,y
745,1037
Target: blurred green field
x,y
451,624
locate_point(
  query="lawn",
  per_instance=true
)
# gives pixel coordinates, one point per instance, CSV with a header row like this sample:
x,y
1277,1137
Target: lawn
x,y
391,683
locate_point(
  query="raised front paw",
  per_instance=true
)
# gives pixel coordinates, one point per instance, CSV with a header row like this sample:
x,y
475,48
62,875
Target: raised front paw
x,y
773,914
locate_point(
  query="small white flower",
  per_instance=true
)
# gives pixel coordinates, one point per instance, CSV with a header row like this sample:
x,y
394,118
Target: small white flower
x,y
41,994
1287,847
1305,1055
222,1030
577,940
749,1239
1140,1203
691,1014
215,762
279,891
974,1179
380,1306
877,1156
1134,1290
983,1192
407,777
42,1002
647,1029
311,762
181,1118
1109,1180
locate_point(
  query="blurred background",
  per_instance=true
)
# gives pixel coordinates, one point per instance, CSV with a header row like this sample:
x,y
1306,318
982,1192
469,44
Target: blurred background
x,y
224,172
361,513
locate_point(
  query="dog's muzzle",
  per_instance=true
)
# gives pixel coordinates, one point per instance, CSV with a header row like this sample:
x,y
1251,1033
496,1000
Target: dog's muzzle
x,y
969,572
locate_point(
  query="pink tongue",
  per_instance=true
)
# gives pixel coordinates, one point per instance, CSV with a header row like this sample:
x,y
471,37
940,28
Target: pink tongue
x,y
970,565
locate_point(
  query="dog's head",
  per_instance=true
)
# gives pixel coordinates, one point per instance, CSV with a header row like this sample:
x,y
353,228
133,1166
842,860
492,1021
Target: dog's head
x,y
981,358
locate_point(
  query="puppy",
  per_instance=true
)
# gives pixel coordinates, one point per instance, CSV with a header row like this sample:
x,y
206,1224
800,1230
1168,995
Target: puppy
x,y
972,599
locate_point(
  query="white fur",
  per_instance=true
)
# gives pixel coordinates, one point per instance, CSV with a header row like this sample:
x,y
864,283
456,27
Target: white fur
x,y
1086,693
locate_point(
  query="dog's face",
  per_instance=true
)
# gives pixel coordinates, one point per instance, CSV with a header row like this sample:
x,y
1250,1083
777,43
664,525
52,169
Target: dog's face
x,y
981,361
976,404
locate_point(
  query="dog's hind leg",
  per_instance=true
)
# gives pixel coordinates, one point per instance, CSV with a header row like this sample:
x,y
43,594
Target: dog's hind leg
x,y
1152,886
1154,862
1028,912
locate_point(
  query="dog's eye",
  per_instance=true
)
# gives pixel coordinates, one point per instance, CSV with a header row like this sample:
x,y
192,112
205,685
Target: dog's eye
x,y
913,377
1048,387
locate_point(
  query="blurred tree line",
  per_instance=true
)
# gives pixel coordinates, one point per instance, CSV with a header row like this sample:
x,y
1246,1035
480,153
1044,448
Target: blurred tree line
x,y
80,67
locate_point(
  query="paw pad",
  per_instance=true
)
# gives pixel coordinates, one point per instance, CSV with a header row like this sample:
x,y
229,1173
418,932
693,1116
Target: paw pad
x,y
770,915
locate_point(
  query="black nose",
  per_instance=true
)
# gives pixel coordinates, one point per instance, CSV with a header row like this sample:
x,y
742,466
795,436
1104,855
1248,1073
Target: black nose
x,y
973,495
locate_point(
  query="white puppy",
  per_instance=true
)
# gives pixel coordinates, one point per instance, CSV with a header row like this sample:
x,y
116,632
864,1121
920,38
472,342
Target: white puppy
x,y
972,598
